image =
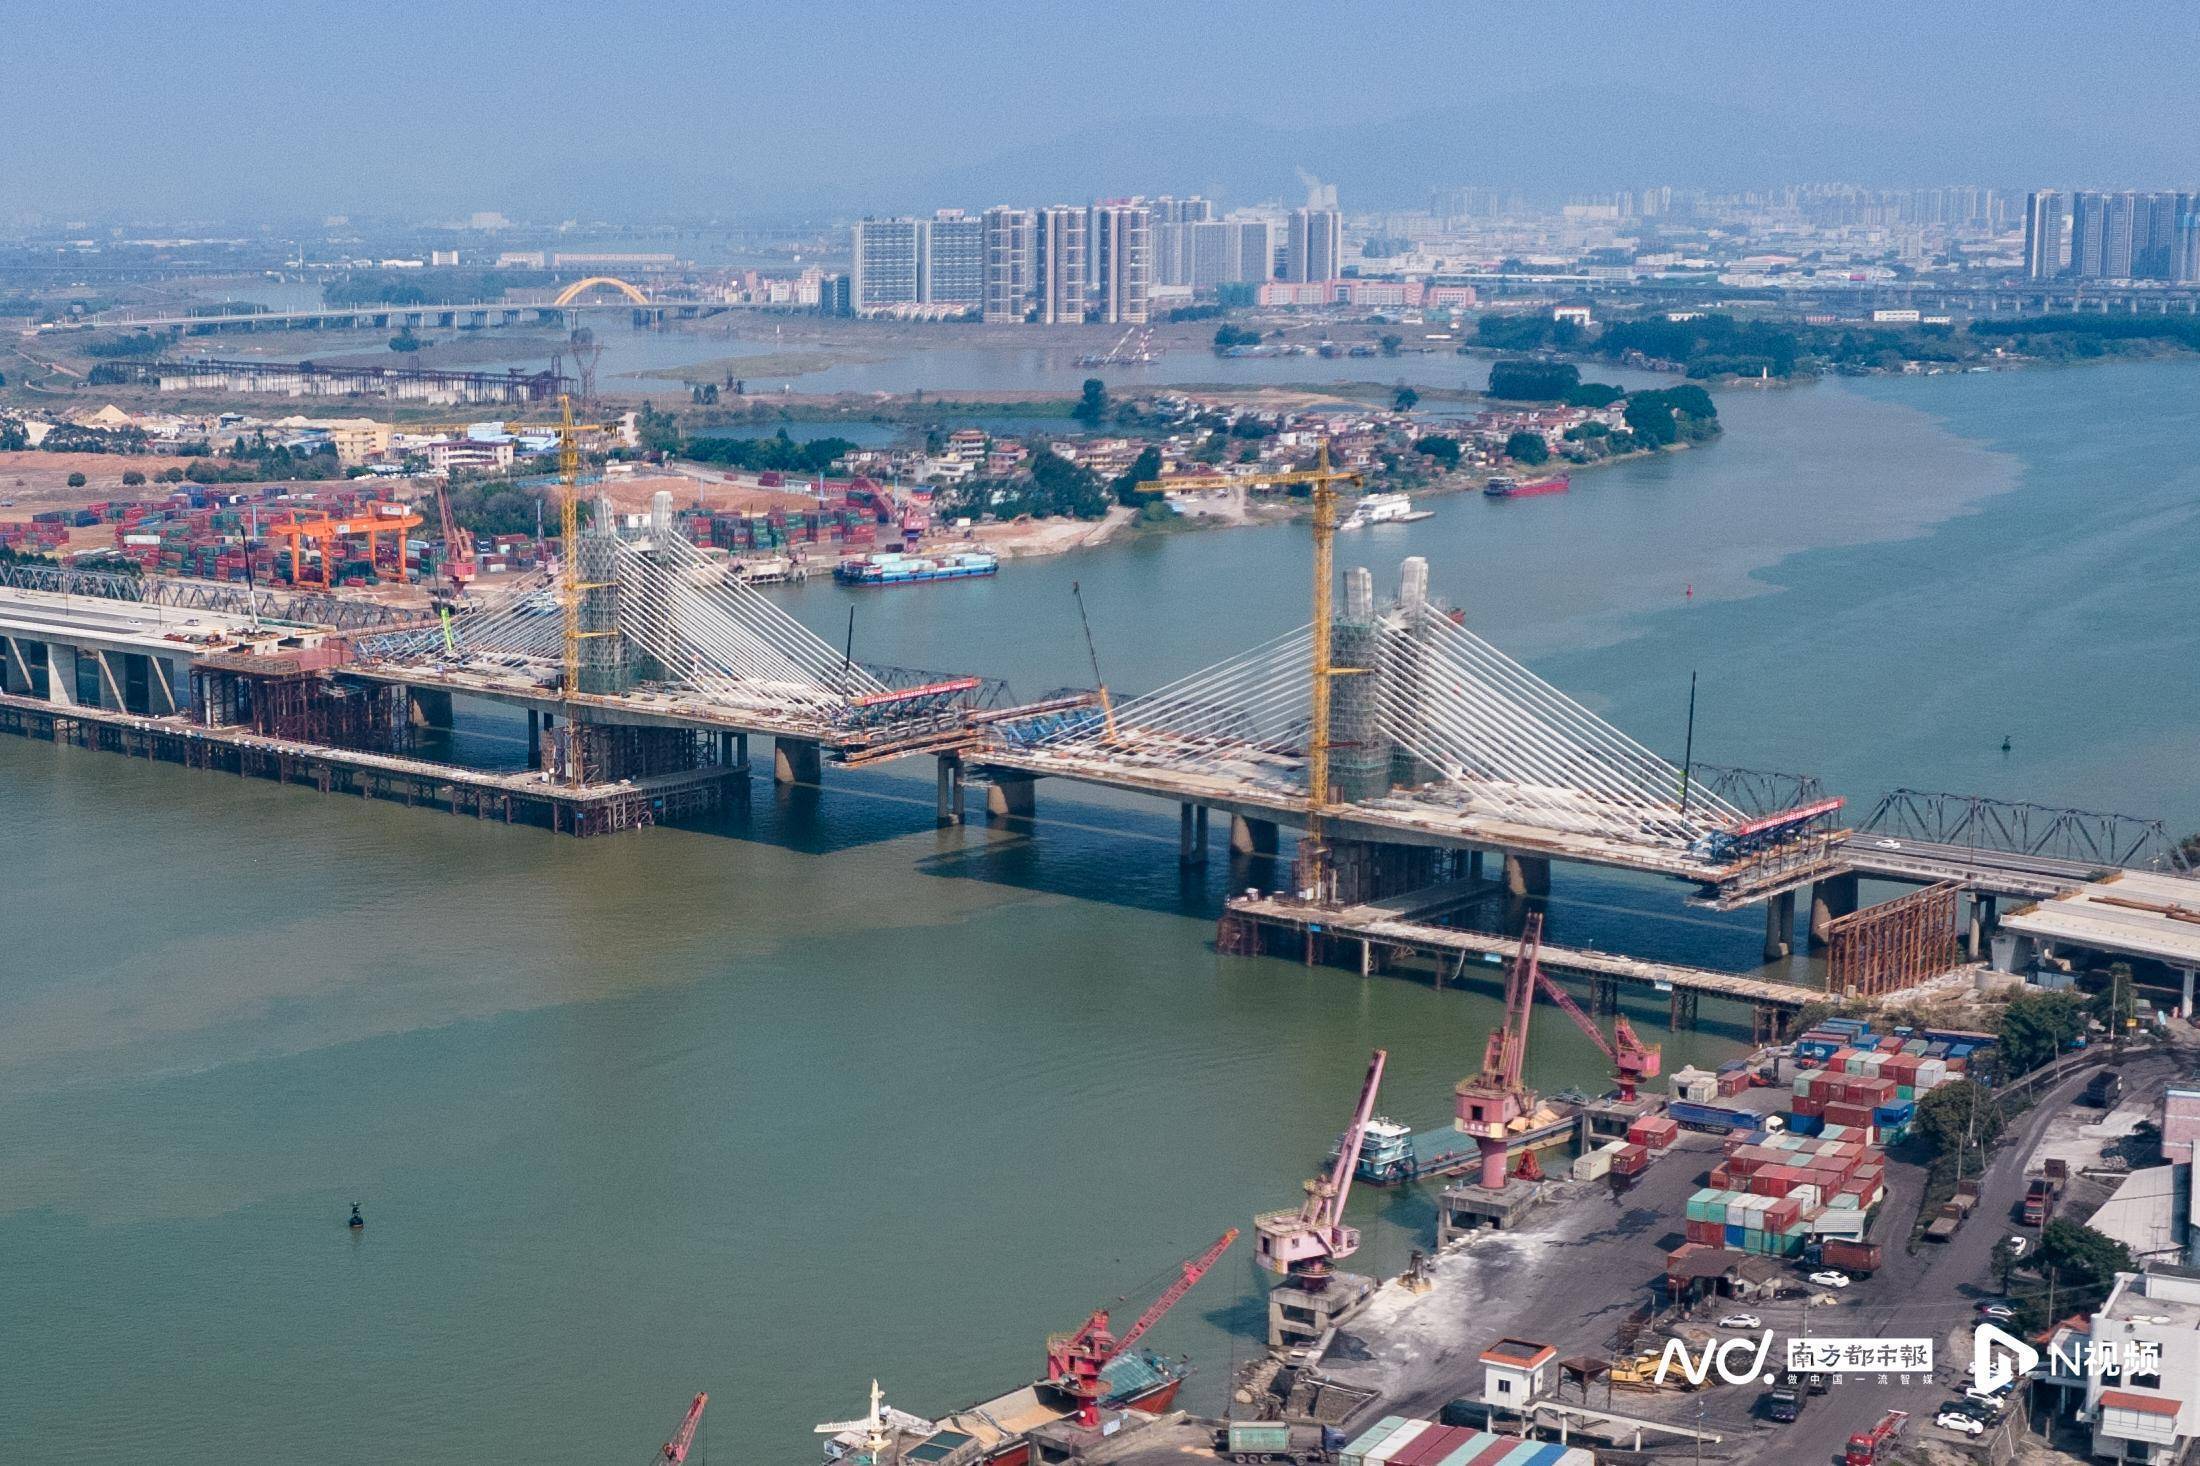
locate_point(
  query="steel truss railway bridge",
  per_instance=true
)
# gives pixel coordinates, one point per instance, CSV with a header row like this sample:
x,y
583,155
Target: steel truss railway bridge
x,y
1442,750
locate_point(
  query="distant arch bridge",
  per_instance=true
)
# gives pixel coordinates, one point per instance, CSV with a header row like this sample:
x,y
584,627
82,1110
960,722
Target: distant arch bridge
x,y
579,288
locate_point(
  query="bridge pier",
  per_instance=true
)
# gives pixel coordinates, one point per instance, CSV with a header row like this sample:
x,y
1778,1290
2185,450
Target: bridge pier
x,y
428,707
797,761
1191,834
949,810
2184,1008
1835,896
1779,926
534,738
1981,923
1012,795
1253,837
1527,875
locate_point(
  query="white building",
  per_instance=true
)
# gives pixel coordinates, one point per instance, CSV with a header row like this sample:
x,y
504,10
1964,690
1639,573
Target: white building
x,y
2138,1413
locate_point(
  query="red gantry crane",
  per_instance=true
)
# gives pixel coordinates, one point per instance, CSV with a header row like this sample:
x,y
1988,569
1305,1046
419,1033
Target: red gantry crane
x,y
1492,1100
1075,1361
675,1451
1300,1245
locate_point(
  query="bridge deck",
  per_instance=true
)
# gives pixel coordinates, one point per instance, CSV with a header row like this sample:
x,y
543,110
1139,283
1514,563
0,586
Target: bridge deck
x,y
1379,922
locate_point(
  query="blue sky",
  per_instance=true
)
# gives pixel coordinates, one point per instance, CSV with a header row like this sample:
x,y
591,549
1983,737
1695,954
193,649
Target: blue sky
x,y
624,109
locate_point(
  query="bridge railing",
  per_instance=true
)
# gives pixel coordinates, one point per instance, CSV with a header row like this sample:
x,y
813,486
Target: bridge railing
x,y
2015,827
174,593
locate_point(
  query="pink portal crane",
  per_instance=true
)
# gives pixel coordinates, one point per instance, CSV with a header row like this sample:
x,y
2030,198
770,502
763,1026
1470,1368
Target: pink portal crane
x,y
1300,1245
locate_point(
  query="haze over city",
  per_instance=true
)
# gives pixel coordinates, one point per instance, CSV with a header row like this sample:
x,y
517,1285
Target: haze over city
x,y
273,110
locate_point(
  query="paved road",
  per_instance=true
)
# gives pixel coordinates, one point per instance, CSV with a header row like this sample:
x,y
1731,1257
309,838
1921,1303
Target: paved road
x,y
1929,1293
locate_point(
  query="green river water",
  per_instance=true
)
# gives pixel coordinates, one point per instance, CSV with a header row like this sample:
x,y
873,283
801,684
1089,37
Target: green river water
x,y
819,1092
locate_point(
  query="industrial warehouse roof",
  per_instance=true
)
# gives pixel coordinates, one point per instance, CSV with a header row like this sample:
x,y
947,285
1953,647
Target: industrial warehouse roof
x,y
2132,914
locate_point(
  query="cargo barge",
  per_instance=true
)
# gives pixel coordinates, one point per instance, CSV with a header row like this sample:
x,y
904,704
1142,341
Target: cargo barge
x,y
1512,488
896,568
997,1432
1392,1154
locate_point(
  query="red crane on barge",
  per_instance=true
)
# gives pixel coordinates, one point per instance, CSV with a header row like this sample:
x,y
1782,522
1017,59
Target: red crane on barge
x,y
1075,1360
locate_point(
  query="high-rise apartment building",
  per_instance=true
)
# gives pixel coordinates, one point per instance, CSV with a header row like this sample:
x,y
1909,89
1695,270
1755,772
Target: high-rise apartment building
x,y
954,260
889,263
2043,234
1123,261
2128,236
1058,264
2184,259
1256,250
1010,235
1314,245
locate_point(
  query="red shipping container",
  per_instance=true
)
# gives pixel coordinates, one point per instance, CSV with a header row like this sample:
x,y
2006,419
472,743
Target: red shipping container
x,y
1808,1105
1733,1083
1721,1179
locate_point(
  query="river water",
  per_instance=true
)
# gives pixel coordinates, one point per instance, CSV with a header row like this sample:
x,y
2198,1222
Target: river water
x,y
820,1092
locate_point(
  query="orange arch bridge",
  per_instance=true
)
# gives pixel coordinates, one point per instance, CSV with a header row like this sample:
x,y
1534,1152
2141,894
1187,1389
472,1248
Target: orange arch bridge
x,y
579,288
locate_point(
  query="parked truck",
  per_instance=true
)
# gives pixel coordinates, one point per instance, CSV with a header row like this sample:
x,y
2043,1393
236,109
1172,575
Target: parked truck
x,y
2107,1088
1248,1441
1784,1402
2039,1200
1868,1447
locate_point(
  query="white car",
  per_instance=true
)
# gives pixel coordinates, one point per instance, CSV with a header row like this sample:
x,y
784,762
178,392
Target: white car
x,y
2017,1246
1830,1279
1741,1321
1986,1397
1960,1423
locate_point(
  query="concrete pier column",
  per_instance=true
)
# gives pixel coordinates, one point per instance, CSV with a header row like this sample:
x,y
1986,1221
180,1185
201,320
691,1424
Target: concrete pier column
x,y
1833,897
2184,1008
534,738
1974,936
950,792
797,761
1253,837
741,752
1013,795
1527,875
1779,926
1191,834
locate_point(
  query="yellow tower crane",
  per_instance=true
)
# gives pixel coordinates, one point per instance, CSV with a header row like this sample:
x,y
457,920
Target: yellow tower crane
x,y
570,585
1322,480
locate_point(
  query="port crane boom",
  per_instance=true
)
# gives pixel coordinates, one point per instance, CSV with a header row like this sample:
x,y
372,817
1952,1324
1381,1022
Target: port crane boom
x,y
1075,1361
1632,1060
675,1451
1492,1100
1300,1245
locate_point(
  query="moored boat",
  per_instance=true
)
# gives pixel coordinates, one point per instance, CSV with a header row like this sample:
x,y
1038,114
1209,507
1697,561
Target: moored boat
x,y
897,568
1512,488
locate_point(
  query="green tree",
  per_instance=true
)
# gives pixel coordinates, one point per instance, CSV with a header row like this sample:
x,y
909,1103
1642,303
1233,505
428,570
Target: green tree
x,y
13,437
1390,344
1650,418
1594,395
76,480
1953,1111
405,340
2082,1258
2035,1027
1533,381
1405,399
1444,450
1062,487
131,478
1092,403
1528,448
2004,1261
1145,468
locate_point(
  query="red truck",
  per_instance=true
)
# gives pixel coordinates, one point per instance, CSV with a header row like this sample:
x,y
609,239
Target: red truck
x,y
2039,1201
1865,1445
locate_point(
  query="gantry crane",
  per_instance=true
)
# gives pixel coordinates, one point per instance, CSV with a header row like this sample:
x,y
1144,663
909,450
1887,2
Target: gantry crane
x,y
1632,1060
1075,1360
675,1451
1490,1102
1300,1245
1322,480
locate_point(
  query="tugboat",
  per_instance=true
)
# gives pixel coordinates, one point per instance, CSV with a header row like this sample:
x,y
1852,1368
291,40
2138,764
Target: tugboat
x,y
357,1221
